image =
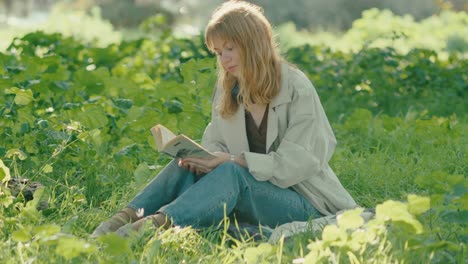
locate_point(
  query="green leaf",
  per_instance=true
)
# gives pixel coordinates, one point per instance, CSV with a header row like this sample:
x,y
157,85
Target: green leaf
x,y
115,245
418,204
174,106
257,254
21,235
30,211
93,116
46,230
397,211
22,97
71,247
122,103
332,233
48,168
351,219
92,81
16,152
4,172
6,200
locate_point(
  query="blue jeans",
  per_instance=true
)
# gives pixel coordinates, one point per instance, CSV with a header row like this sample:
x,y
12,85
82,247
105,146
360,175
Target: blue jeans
x,y
229,190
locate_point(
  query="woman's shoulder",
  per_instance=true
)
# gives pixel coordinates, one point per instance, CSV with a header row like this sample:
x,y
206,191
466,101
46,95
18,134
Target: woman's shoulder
x,y
296,80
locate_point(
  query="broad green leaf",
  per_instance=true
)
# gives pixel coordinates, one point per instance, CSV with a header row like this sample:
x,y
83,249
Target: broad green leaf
x,y
21,235
144,80
92,81
174,106
22,97
16,152
170,89
115,245
71,247
318,251
25,116
257,254
144,119
46,230
418,204
265,248
30,145
4,172
92,116
6,200
48,168
123,103
351,219
397,211
359,238
30,211
332,233
189,71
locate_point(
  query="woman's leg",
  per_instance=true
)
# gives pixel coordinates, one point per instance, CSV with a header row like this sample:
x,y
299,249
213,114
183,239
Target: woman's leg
x,y
230,188
170,183
165,187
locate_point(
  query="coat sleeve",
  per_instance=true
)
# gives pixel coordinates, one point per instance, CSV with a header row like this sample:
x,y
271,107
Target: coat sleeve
x,y
212,138
306,147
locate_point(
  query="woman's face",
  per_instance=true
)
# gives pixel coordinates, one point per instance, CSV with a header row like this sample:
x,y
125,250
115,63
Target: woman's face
x,y
228,56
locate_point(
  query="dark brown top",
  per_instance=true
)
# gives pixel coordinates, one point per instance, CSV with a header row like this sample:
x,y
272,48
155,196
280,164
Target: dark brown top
x,y
256,136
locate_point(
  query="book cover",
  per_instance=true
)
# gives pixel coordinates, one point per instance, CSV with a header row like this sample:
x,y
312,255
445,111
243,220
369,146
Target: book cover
x,y
178,146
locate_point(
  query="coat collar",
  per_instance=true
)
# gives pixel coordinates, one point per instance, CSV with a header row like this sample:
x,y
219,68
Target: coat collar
x,y
284,95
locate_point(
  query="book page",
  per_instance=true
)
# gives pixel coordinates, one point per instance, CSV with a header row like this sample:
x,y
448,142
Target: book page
x,y
161,135
183,147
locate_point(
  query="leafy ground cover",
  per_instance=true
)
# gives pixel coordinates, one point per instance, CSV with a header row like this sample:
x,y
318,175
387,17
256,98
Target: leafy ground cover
x,y
76,118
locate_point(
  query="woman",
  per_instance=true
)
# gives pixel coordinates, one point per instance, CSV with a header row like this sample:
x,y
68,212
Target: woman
x,y
269,133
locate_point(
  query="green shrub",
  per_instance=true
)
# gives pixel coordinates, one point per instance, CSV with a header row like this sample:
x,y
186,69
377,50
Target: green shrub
x,y
446,33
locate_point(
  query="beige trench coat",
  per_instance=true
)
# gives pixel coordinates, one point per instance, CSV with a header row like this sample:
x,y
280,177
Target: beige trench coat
x,y
300,143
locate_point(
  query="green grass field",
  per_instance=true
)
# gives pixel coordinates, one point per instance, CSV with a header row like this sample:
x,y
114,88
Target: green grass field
x,y
75,117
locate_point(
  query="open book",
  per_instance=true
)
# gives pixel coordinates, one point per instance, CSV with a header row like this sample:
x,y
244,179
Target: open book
x,y
179,146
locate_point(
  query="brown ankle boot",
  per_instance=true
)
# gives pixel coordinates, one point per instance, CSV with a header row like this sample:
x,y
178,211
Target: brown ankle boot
x,y
159,220
124,216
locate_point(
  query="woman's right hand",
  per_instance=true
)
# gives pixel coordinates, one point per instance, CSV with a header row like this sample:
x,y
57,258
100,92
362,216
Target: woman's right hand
x,y
191,167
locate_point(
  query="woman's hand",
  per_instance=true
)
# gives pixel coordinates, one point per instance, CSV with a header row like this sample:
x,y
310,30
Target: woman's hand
x,y
203,166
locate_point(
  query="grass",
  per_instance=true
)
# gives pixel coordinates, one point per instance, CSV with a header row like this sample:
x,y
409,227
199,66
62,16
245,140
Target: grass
x,y
374,162
378,158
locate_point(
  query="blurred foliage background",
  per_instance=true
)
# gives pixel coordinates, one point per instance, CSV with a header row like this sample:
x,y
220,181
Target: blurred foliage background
x,y
344,25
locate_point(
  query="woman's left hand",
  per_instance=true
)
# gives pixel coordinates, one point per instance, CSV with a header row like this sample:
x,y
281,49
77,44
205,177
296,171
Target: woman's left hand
x,y
204,166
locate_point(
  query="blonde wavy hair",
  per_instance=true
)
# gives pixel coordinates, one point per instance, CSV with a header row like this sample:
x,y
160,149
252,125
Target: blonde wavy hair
x,y
246,27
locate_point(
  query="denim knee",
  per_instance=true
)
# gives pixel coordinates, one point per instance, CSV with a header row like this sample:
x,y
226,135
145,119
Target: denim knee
x,y
230,171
